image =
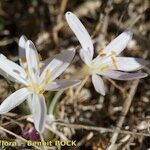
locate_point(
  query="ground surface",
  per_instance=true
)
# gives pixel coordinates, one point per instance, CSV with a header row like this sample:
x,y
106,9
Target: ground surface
x,y
44,23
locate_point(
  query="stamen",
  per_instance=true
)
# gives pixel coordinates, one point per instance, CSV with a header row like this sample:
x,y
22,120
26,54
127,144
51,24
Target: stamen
x,y
104,68
35,87
48,77
40,57
113,58
23,60
47,73
40,65
101,53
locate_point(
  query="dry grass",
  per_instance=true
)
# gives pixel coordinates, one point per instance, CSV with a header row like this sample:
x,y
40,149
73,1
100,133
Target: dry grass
x,y
120,120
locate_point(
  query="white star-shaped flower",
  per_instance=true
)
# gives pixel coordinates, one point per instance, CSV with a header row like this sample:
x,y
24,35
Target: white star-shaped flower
x,y
35,81
107,63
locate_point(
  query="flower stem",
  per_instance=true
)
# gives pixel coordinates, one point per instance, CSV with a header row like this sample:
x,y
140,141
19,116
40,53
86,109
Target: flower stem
x,y
54,101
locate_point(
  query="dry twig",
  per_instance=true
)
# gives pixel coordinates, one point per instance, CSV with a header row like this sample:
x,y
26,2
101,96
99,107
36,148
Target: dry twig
x,y
125,110
99,129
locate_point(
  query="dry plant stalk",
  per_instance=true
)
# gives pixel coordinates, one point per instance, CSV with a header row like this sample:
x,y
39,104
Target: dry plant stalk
x,y
99,129
126,107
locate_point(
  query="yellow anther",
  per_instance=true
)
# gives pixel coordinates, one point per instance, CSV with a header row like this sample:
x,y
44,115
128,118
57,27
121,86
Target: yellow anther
x,y
40,57
101,52
23,60
48,80
35,87
104,68
47,76
40,65
47,73
113,58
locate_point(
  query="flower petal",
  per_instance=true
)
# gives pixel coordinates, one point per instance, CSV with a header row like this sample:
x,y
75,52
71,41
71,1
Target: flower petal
x,y
22,50
98,84
44,63
129,63
58,65
99,62
85,56
119,43
13,70
32,58
29,101
118,75
61,84
81,33
39,112
4,74
14,100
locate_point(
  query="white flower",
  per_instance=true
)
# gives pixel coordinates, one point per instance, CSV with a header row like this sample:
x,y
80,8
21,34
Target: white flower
x,y
34,81
106,63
